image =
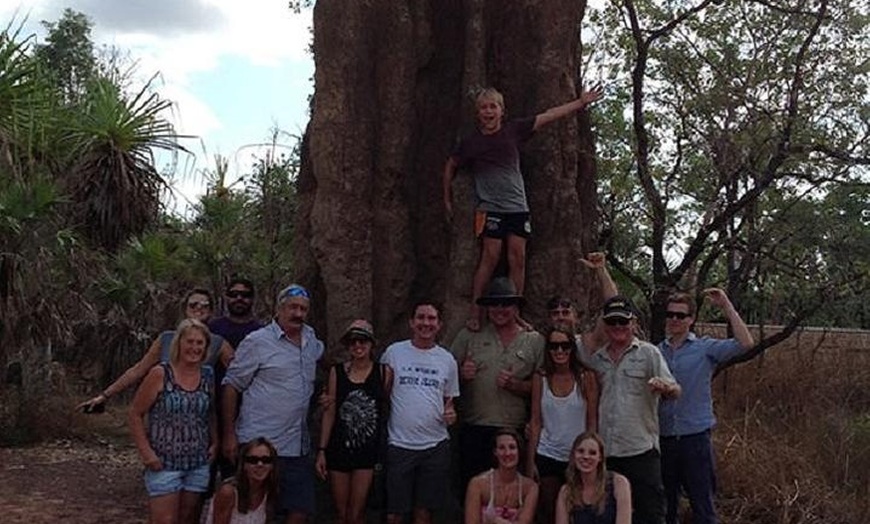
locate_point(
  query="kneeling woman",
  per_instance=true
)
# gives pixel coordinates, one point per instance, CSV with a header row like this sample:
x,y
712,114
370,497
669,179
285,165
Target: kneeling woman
x,y
247,497
502,495
591,494
181,435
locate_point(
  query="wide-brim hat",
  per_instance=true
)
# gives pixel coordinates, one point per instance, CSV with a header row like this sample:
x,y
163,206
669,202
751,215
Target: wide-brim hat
x,y
358,328
618,306
501,290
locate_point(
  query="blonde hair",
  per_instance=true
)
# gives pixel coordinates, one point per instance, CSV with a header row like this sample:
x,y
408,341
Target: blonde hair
x,y
490,93
183,327
574,481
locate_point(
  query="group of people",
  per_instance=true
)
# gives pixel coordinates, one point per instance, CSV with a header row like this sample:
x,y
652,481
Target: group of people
x,y
616,428
174,416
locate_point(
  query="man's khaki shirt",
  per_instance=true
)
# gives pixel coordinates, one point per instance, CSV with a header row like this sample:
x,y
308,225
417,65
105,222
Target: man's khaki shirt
x,y
482,402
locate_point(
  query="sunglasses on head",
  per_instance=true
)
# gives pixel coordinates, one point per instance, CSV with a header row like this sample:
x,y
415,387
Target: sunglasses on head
x,y
240,294
295,290
199,304
679,315
566,346
617,321
259,459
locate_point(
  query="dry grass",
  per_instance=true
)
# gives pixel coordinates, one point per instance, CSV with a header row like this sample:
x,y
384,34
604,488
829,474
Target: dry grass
x,y
793,440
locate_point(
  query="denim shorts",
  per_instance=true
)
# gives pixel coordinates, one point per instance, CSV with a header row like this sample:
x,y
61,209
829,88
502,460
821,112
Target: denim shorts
x,y
168,481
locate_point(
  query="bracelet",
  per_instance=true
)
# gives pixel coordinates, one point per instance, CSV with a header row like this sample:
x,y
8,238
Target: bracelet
x,y
105,394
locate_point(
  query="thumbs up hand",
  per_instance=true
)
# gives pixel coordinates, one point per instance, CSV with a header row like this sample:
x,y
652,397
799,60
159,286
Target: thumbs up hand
x,y
505,378
468,369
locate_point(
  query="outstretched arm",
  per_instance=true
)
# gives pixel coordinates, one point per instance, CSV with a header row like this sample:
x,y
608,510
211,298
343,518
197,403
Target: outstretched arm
x,y
555,113
719,299
130,377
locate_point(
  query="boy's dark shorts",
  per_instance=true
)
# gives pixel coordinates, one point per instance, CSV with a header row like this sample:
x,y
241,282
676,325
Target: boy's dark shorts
x,y
501,225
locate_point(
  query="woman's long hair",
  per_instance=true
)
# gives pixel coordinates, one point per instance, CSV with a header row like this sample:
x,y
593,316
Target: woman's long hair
x,y
574,363
574,480
243,483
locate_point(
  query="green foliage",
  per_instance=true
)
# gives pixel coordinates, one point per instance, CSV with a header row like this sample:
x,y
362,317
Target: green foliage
x,y
23,203
26,103
113,178
246,231
68,54
742,119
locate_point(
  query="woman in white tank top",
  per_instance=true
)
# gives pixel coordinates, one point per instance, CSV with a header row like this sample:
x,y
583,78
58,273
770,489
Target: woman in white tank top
x,y
564,405
246,498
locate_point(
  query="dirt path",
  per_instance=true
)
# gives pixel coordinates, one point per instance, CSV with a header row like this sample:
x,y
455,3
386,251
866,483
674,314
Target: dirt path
x,y
89,480
73,482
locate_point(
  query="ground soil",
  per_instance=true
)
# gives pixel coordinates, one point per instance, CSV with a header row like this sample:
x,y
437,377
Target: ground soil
x,y
92,478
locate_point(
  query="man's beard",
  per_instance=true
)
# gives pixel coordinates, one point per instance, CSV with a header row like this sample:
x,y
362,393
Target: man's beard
x,y
239,309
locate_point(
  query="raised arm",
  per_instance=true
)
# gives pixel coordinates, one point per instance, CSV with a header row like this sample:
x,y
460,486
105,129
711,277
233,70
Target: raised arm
x,y
555,113
719,299
596,261
326,423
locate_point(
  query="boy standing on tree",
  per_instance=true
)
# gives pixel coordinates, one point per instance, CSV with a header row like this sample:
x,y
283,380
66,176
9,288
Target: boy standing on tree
x,y
492,155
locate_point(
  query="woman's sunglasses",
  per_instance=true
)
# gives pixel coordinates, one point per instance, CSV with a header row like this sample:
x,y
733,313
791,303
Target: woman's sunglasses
x,y
256,459
566,346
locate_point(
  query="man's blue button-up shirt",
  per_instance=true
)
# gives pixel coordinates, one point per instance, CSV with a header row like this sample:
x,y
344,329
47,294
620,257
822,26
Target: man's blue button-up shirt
x,y
693,364
276,380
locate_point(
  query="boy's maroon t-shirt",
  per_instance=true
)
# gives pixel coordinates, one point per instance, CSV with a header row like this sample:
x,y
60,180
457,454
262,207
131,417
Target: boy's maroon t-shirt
x,y
494,160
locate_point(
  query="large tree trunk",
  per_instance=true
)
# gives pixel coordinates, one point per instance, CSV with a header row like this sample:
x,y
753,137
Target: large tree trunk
x,y
391,98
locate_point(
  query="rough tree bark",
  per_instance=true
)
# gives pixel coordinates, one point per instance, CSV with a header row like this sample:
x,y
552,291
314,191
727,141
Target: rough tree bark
x,y
392,86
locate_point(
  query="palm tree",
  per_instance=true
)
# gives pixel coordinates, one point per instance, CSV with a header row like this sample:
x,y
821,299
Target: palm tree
x,y
113,179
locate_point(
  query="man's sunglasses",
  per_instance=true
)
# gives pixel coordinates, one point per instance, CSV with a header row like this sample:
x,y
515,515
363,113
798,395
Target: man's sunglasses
x,y
617,321
257,459
240,294
679,315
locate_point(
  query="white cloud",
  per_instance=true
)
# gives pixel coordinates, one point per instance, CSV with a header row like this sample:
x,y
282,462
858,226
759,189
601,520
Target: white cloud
x,y
186,40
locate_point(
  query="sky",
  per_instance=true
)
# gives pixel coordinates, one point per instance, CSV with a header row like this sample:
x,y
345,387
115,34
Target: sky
x,y
235,69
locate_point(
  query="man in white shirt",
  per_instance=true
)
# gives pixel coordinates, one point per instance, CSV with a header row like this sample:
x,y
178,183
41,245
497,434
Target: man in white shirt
x,y
425,382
